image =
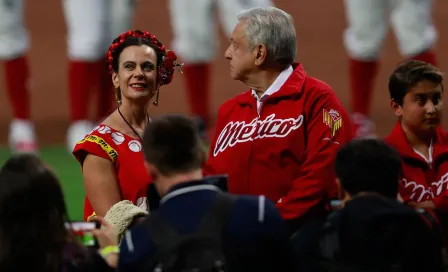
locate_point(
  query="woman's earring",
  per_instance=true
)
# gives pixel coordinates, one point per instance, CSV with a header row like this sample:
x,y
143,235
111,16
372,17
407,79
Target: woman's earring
x,y
117,93
156,102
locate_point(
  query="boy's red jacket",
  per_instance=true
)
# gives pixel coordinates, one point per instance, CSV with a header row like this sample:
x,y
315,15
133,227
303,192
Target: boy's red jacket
x,y
286,152
422,181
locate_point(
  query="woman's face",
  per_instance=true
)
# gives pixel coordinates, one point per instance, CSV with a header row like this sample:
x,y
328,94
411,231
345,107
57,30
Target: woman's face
x,y
137,73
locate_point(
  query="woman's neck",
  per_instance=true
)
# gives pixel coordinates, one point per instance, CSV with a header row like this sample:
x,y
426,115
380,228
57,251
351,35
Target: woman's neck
x,y
135,114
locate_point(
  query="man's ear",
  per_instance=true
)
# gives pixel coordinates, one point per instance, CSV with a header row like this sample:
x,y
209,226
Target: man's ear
x,y
115,80
396,108
260,52
152,170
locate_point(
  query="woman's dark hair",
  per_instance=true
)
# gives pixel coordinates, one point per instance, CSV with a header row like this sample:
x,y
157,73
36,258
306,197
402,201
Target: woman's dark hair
x,y
32,216
137,41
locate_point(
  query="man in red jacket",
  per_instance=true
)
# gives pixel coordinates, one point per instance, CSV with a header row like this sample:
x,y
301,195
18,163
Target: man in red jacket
x,y
280,137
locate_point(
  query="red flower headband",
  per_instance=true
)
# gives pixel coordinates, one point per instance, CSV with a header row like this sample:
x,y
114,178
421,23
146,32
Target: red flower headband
x,y
166,66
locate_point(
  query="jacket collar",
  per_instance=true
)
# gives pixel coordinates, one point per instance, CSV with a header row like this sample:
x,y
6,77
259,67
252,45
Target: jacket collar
x,y
397,138
276,85
292,85
188,187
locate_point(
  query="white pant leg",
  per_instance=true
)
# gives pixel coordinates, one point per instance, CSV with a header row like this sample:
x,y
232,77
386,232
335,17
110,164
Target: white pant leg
x,y
413,26
194,30
14,40
120,18
229,9
367,27
87,29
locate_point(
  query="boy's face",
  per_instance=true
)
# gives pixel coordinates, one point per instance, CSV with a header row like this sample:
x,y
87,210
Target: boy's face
x,y
422,106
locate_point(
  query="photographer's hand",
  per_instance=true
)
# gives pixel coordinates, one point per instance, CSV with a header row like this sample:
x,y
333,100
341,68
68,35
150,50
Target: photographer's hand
x,y
108,242
422,205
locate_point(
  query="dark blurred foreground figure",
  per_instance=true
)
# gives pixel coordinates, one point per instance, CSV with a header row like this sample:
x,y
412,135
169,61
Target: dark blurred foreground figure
x,y
197,226
33,235
373,231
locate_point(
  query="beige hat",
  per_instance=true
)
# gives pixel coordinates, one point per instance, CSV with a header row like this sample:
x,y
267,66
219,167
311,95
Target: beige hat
x,y
122,214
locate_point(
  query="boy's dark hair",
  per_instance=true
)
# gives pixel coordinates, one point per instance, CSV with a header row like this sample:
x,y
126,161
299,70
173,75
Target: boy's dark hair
x,y
173,145
409,73
368,165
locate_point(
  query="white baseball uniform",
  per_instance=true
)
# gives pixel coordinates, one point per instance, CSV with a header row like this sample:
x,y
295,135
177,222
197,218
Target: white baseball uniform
x,y
14,40
368,24
194,27
93,24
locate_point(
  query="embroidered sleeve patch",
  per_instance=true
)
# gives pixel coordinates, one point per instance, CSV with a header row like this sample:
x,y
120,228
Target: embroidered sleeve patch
x,y
105,146
333,120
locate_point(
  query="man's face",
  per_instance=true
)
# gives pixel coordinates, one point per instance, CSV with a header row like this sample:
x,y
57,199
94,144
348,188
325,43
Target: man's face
x,y
422,107
241,59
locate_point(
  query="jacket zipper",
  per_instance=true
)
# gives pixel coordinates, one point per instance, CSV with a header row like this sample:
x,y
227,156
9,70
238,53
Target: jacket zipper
x,y
257,126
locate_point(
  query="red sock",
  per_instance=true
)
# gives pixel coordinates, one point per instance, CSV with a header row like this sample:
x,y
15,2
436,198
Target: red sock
x,y
106,97
362,77
427,56
17,80
79,79
197,77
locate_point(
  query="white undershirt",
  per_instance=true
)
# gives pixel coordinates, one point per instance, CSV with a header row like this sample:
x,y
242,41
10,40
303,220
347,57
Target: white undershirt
x,y
276,85
430,151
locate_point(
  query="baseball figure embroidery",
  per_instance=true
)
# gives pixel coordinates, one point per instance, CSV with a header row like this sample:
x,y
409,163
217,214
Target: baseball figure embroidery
x,y
333,120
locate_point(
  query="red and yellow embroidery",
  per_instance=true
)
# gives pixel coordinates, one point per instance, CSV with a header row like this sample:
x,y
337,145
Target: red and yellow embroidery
x,y
113,154
333,120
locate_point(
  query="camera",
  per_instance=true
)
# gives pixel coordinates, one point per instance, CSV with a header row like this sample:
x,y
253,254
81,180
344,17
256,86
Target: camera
x,y
82,232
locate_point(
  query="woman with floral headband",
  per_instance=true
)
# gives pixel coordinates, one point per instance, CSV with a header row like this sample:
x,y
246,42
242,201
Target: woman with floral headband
x,y
110,156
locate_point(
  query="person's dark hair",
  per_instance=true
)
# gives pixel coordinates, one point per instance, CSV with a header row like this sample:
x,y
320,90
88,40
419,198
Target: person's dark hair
x,y
368,165
166,59
173,145
28,164
408,74
32,216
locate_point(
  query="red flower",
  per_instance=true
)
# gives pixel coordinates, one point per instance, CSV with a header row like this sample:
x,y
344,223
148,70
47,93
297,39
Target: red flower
x,y
169,65
171,55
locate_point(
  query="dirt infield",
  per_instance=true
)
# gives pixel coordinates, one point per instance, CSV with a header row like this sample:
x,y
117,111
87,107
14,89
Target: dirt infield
x,y
319,26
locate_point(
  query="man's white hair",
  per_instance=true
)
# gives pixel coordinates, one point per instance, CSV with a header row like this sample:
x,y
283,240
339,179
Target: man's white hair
x,y
275,29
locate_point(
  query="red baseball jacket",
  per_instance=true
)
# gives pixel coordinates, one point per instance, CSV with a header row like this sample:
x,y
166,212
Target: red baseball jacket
x,y
286,151
422,180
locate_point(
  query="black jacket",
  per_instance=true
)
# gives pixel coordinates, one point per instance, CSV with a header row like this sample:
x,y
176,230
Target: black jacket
x,y
376,233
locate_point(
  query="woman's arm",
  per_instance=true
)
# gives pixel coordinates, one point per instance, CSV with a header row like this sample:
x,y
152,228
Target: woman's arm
x,y
101,184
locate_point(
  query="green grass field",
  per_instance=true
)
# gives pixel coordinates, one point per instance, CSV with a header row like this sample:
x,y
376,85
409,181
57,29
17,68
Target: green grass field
x,y
69,172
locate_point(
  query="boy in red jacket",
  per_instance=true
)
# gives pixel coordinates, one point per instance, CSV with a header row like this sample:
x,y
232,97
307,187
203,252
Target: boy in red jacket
x,y
416,91
280,137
